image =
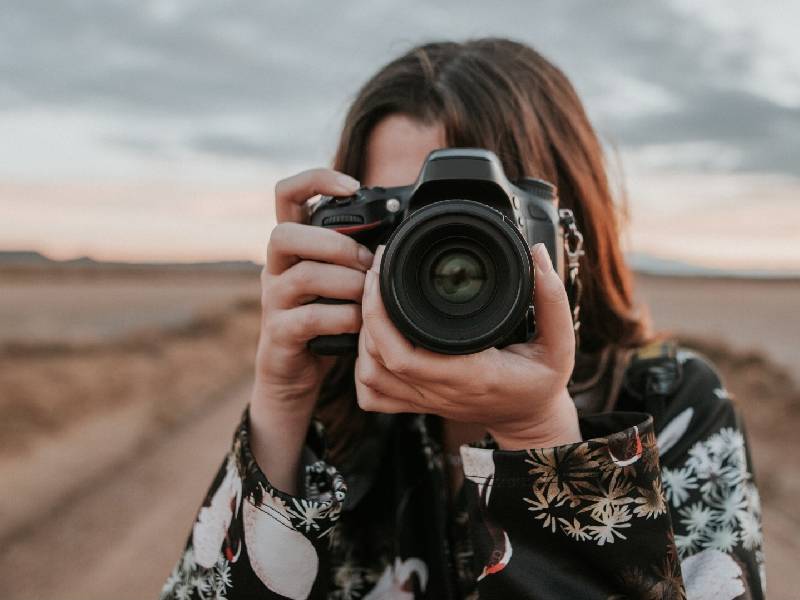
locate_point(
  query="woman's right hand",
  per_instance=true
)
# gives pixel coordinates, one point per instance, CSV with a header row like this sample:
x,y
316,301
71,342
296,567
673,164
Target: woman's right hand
x,y
303,263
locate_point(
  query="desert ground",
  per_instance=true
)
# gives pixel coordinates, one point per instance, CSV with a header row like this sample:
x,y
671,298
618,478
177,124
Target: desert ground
x,y
119,394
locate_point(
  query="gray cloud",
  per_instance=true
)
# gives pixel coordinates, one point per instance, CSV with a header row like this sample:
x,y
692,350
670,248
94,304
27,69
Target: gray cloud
x,y
260,80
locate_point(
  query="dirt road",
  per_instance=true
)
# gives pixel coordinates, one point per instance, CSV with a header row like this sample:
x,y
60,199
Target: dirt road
x,y
104,512
119,536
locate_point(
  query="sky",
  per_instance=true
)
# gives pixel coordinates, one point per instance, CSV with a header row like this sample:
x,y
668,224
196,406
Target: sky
x,y
156,130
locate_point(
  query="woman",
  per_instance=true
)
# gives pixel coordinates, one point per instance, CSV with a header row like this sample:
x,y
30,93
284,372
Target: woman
x,y
435,476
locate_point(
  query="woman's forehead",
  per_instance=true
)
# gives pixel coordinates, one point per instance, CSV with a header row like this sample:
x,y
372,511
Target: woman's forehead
x,y
396,149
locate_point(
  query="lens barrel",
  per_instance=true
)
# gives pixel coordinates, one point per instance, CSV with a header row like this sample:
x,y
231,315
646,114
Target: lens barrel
x,y
456,277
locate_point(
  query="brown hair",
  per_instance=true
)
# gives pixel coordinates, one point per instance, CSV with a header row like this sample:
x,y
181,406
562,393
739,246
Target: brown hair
x,y
504,96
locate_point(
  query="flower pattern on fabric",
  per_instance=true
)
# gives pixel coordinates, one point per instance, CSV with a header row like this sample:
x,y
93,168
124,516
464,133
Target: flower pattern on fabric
x,y
619,515
592,491
718,512
717,503
190,580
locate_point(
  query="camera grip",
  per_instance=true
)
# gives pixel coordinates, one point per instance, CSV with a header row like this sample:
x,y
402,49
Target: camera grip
x,y
334,345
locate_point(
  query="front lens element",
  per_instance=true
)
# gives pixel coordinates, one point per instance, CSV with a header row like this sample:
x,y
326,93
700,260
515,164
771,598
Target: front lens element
x,y
458,276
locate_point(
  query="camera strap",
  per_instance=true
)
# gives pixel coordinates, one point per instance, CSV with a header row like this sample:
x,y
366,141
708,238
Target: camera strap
x,y
573,247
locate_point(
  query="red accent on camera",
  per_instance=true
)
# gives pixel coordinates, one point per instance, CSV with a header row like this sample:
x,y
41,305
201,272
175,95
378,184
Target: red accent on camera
x,y
347,229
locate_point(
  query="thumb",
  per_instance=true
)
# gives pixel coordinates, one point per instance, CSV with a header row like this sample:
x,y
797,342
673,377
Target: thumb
x,y
553,316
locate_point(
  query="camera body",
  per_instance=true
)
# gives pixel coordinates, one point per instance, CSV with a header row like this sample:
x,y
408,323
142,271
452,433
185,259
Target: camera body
x,y
456,273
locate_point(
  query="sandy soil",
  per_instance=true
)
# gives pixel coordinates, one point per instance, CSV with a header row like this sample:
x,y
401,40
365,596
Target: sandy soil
x,y
748,315
85,309
114,441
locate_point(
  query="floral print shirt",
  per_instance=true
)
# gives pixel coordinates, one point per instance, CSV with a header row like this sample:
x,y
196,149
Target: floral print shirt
x,y
664,510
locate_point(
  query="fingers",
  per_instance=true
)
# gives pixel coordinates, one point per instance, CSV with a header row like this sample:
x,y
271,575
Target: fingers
x,y
553,317
373,401
289,243
298,325
308,280
378,389
395,352
292,193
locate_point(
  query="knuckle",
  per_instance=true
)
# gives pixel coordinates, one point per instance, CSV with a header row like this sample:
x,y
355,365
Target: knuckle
x,y
347,249
355,312
397,364
364,400
280,187
299,275
274,327
312,319
277,237
369,375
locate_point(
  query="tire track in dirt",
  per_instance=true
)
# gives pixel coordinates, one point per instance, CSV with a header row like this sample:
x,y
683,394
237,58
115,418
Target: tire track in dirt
x,y
120,538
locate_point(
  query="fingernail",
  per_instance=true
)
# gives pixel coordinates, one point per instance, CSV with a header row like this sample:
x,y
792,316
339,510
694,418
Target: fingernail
x,y
347,183
370,281
378,256
365,257
542,258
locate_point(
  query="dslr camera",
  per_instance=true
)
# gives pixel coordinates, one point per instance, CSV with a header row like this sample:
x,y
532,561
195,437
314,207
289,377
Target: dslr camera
x,y
456,275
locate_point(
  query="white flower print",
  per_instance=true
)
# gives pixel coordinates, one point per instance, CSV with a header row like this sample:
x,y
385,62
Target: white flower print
x,y
183,592
687,544
725,508
574,530
700,460
750,531
189,579
677,484
722,538
611,524
726,443
308,513
202,584
698,518
753,499
223,574
730,502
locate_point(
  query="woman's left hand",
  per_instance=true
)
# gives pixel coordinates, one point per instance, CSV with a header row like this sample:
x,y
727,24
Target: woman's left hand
x,y
518,392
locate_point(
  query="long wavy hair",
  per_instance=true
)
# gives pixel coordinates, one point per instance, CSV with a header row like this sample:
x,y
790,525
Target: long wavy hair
x,y
504,96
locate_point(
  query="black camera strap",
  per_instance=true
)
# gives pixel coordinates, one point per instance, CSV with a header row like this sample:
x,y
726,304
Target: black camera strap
x,y
573,247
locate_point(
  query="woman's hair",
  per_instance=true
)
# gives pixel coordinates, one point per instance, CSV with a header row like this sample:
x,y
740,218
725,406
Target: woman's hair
x,y
506,97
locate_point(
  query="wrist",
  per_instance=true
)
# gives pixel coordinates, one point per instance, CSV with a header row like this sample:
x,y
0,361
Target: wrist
x,y
277,435
288,403
557,428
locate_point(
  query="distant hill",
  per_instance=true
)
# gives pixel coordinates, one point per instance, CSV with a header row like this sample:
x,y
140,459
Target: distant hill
x,y
23,257
32,258
645,264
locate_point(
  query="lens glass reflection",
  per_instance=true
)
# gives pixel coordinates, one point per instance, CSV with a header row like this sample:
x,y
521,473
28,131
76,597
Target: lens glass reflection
x,y
458,276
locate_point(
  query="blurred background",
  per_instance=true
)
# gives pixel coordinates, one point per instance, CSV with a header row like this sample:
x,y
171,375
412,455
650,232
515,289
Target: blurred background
x,y
139,146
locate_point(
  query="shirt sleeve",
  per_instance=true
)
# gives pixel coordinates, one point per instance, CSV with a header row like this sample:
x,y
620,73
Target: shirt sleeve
x,y
610,518
250,539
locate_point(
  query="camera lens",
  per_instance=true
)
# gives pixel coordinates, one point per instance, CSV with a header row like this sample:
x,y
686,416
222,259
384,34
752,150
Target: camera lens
x,y
456,277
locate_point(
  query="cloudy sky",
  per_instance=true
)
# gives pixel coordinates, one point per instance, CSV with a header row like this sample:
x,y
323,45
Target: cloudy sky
x,y
156,129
